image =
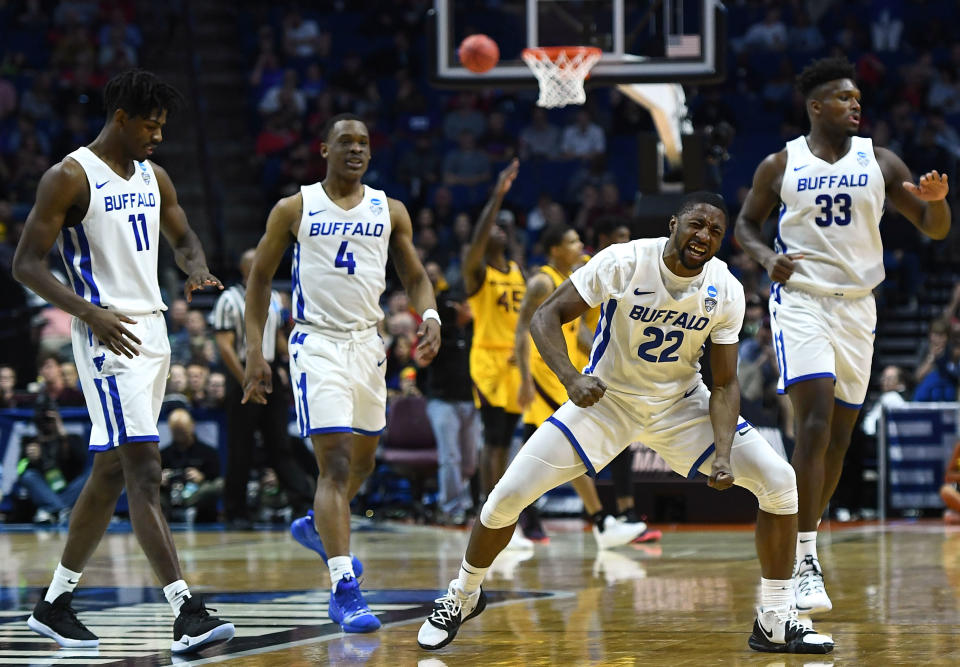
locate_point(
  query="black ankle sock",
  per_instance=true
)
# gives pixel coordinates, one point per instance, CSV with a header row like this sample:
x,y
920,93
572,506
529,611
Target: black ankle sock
x,y
630,515
597,520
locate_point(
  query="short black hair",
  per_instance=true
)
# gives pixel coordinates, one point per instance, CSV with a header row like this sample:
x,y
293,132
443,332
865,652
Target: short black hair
x,y
329,125
606,225
823,70
139,92
702,197
553,235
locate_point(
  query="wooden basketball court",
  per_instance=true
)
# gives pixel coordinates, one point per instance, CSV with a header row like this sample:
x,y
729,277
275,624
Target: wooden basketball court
x,y
687,600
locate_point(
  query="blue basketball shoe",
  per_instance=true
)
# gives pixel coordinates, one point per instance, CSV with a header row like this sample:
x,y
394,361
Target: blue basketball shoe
x,y
349,609
304,531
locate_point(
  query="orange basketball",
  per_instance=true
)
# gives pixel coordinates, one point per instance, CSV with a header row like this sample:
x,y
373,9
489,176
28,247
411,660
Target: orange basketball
x,y
478,53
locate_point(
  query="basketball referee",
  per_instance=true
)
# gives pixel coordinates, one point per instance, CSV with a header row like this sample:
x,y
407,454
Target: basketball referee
x,y
243,421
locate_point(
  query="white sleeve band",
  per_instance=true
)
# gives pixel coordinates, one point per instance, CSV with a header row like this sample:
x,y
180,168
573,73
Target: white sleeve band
x,y
430,314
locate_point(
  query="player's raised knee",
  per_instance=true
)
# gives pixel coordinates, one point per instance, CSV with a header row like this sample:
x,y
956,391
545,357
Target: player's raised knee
x,y
503,507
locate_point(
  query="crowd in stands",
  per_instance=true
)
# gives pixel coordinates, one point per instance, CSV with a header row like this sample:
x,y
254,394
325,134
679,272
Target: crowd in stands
x,y
437,151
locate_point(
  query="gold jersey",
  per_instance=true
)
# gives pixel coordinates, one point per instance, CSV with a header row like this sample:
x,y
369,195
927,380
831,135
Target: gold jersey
x,y
496,306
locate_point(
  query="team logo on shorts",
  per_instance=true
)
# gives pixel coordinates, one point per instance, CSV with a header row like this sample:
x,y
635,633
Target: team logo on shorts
x,y
376,206
710,302
862,158
144,172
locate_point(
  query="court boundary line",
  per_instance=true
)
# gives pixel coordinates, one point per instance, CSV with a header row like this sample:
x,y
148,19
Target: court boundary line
x,y
546,595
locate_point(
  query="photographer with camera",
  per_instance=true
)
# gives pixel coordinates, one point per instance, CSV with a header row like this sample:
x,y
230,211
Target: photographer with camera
x,y
190,475
53,467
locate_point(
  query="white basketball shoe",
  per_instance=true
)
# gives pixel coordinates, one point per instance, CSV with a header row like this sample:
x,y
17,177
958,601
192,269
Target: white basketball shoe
x,y
778,630
811,594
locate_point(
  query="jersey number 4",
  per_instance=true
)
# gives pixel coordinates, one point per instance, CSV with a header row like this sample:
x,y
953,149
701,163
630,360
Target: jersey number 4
x,y
657,338
144,242
344,259
827,203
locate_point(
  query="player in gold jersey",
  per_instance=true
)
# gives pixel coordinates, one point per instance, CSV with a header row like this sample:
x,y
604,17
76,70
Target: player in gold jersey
x,y
541,393
495,287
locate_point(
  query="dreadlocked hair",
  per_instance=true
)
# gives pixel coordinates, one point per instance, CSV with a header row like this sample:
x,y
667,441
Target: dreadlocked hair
x,y
821,71
139,93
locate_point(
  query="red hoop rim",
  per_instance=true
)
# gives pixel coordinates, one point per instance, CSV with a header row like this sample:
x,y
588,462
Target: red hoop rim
x,y
553,52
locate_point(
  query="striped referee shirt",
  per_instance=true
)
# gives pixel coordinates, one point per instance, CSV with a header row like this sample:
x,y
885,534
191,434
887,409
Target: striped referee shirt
x,y
227,315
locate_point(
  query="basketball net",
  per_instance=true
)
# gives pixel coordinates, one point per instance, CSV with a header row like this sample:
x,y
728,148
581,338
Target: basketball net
x,y
561,71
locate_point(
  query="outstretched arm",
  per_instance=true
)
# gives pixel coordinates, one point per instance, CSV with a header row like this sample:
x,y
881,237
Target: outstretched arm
x,y
724,410
282,222
538,289
474,264
187,250
923,204
559,308
761,199
62,188
414,279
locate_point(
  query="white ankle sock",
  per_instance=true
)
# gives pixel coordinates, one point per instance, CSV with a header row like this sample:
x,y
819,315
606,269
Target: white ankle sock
x,y
176,594
64,581
807,545
776,593
339,566
471,577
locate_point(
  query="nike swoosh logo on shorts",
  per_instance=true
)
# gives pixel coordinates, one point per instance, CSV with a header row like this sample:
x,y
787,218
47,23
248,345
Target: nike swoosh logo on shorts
x,y
100,185
380,363
315,212
639,293
743,431
690,393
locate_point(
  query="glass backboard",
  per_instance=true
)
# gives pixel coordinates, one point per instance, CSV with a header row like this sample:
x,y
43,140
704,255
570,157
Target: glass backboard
x,y
643,41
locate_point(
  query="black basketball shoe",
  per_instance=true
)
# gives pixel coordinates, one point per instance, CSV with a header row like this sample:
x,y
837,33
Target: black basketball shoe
x,y
58,621
195,628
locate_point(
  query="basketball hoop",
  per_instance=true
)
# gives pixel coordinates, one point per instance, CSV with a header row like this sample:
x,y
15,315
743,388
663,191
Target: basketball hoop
x,y
561,71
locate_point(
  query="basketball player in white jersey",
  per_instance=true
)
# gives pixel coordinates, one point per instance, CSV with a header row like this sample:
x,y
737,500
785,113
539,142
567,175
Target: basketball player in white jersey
x,y
342,232
105,206
826,261
661,300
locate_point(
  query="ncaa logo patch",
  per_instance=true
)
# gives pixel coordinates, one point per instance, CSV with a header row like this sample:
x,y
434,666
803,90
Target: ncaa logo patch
x,y
376,206
710,302
144,172
863,158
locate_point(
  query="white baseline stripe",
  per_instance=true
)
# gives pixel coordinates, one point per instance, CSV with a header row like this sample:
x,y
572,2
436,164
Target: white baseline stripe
x,y
557,595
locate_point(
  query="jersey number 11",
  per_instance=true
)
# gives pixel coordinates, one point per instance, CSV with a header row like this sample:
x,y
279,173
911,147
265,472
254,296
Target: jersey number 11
x,y
143,244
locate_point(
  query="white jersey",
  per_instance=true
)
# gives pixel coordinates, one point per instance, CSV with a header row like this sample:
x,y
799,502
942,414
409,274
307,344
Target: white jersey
x,y
831,213
111,255
339,261
647,343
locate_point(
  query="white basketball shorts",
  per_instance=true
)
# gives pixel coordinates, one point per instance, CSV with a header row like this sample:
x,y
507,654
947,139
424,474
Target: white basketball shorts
x,y
339,381
123,395
824,337
678,429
